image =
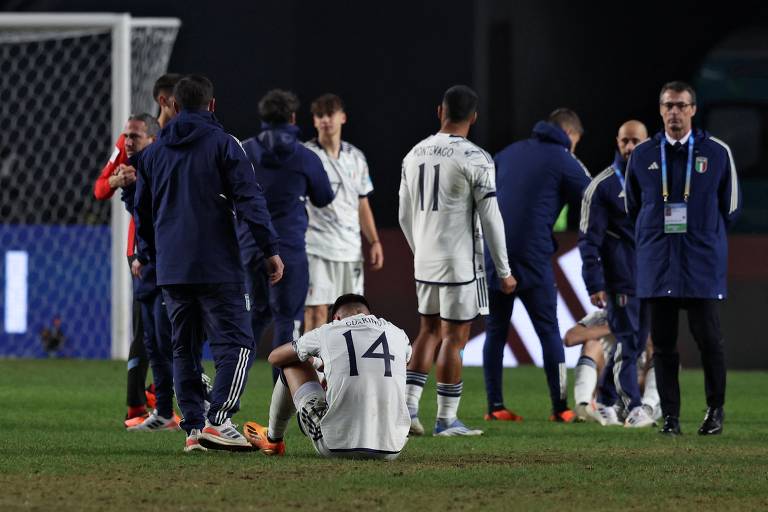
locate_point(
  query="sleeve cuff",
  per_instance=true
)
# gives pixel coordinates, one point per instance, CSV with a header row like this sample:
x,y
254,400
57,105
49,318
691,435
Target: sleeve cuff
x,y
272,249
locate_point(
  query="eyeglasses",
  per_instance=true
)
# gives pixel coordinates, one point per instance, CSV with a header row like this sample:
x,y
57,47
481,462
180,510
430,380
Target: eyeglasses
x,y
669,105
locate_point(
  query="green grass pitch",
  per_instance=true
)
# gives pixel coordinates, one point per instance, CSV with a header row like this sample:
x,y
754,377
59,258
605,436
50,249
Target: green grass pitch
x,y
62,447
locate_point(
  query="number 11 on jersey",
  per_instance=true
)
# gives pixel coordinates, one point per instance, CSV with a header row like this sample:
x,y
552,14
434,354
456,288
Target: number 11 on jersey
x,y
435,187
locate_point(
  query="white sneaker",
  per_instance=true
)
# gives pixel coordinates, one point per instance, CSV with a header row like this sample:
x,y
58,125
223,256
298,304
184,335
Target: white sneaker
x,y
454,428
193,442
606,416
417,429
223,437
156,423
639,417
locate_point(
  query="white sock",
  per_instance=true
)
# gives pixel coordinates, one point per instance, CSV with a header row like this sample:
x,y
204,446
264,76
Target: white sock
x,y
280,410
448,398
650,393
585,380
414,386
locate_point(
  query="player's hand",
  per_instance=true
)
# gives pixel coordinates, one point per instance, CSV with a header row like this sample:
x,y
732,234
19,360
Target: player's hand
x,y
377,256
275,269
508,285
599,299
136,268
123,177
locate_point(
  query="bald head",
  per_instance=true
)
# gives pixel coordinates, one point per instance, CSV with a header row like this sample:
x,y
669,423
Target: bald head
x,y
630,135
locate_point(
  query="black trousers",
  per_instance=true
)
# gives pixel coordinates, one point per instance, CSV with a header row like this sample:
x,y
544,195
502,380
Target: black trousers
x,y
704,324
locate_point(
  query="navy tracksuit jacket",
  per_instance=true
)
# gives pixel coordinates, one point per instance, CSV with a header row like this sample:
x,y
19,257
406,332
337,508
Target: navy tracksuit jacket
x,y
534,179
607,246
194,184
290,174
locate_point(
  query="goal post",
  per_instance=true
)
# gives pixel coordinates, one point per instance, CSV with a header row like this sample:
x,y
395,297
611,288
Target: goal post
x,y
55,70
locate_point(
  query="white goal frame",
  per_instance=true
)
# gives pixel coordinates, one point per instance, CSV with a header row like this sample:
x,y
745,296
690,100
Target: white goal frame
x,y
120,26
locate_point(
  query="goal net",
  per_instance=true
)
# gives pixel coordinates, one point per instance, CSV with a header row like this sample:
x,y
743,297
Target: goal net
x,y
67,85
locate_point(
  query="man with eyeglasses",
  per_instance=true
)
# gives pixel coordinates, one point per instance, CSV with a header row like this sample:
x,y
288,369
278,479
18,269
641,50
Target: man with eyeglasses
x,y
682,192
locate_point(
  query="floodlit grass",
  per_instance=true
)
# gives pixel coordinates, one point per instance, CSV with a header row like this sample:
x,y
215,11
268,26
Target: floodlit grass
x,y
62,447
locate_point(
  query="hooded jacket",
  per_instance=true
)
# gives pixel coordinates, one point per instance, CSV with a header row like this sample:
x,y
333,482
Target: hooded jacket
x,y
534,179
194,183
290,174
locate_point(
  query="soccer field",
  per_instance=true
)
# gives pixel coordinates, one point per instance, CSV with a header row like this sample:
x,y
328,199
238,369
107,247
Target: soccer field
x,y
62,446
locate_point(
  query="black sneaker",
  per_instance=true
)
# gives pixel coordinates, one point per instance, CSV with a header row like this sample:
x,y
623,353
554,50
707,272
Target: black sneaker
x,y
671,426
713,422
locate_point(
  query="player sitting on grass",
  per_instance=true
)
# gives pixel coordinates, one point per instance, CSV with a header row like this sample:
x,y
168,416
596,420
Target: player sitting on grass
x,y
363,413
595,373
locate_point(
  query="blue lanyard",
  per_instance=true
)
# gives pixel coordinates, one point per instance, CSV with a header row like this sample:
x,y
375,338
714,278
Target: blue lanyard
x,y
688,167
619,175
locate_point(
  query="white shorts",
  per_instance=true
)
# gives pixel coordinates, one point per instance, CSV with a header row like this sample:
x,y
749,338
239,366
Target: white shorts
x,y
309,416
328,280
456,303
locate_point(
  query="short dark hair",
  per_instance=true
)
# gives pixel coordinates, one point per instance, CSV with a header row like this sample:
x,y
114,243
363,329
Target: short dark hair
x,y
460,102
193,92
149,121
326,104
165,84
678,86
566,119
277,106
346,300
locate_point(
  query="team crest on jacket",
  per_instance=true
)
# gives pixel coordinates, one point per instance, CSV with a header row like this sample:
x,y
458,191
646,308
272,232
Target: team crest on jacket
x,y
701,164
621,300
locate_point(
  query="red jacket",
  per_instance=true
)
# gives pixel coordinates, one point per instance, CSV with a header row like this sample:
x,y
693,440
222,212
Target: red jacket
x,y
102,191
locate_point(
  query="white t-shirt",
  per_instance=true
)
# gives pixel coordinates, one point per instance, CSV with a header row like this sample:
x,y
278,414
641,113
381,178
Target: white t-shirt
x,y
334,230
364,360
447,184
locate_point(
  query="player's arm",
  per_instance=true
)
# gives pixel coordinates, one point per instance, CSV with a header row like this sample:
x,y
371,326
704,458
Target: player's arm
x,y
729,192
592,232
298,351
320,190
109,180
579,334
142,216
483,182
368,227
575,178
249,202
631,190
404,211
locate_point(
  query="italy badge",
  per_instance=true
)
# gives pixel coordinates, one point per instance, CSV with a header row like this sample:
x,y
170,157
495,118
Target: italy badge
x,y
701,164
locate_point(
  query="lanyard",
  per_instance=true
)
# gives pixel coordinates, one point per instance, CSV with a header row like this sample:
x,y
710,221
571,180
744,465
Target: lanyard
x,y
619,175
688,166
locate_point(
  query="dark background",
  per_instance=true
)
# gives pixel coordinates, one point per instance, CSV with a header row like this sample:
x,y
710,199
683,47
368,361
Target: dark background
x,y
391,62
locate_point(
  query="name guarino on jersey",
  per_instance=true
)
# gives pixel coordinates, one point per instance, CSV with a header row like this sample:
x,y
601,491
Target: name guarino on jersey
x,y
353,322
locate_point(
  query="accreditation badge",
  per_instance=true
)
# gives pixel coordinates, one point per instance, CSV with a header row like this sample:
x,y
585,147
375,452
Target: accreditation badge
x,y
701,164
675,217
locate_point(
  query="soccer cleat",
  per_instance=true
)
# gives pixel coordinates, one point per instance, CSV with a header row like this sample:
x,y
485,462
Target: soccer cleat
x,y
156,423
192,443
223,437
605,416
417,429
136,420
257,435
671,426
566,416
454,428
713,422
581,412
639,417
503,415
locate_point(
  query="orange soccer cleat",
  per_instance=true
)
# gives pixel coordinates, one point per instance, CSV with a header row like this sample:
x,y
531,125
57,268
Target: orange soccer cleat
x,y
257,435
503,415
566,416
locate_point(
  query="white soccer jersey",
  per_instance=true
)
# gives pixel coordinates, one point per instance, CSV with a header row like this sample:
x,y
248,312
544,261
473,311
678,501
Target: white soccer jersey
x,y
364,360
446,183
334,230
